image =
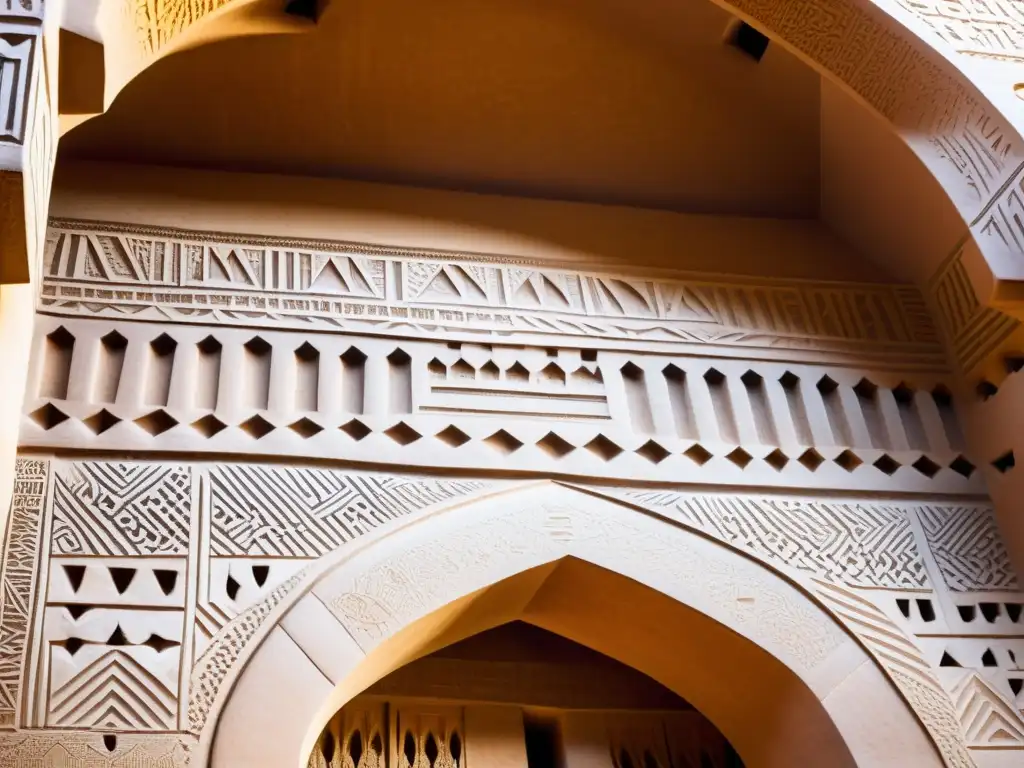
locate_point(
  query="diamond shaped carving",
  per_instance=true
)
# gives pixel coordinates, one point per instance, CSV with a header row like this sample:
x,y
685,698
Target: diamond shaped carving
x,y
48,416
208,426
402,433
698,454
257,427
926,467
604,448
453,436
504,442
962,467
305,427
777,460
887,464
355,429
157,422
811,459
555,446
739,457
653,452
848,460
101,421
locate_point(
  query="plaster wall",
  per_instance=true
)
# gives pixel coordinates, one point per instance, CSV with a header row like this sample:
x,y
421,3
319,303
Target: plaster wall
x,y
594,236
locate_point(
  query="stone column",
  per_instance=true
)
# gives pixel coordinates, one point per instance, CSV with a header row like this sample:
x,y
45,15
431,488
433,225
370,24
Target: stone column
x,y
29,33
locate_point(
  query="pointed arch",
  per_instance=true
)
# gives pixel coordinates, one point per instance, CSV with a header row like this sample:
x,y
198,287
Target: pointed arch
x,y
747,645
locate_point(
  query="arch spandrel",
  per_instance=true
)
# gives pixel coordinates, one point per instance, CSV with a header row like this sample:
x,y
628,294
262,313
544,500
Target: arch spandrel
x,y
379,593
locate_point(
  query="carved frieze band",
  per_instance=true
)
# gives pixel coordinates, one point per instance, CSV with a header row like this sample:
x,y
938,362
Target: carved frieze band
x,y
124,386
125,640
973,330
114,271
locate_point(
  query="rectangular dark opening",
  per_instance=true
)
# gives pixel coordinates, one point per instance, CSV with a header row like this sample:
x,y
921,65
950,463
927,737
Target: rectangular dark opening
x,y
544,747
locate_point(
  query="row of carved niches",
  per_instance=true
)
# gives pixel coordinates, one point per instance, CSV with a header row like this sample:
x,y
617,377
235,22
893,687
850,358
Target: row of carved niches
x,y
579,412
409,733
132,582
104,270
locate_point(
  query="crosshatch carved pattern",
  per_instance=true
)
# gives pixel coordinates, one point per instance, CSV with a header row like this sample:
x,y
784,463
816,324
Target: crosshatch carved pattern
x,y
21,552
109,270
969,550
115,616
859,544
105,508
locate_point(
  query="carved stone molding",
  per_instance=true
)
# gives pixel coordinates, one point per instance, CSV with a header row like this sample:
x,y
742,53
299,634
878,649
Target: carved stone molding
x,y
98,385
117,611
106,270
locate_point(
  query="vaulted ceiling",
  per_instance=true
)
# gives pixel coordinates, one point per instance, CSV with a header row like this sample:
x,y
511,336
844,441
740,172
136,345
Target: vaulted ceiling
x,y
612,101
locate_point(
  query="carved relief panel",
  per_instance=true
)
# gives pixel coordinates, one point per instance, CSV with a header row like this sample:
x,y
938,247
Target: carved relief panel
x,y
571,410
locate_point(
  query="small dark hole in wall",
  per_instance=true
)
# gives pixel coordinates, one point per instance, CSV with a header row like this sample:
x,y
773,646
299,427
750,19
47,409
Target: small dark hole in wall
x,y
1016,685
327,746
1013,610
926,609
260,574
948,661
990,611
543,742
986,389
455,747
588,355
988,659
306,9
232,587
110,741
904,605
409,748
1005,463
355,748
966,612
748,40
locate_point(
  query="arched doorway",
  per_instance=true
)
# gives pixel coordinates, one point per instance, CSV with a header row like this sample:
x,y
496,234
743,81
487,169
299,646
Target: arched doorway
x,y
519,695
766,664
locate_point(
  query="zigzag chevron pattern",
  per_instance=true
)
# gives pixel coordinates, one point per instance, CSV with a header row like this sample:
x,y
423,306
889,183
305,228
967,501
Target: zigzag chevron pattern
x,y
906,666
288,512
968,548
861,544
988,721
114,691
108,508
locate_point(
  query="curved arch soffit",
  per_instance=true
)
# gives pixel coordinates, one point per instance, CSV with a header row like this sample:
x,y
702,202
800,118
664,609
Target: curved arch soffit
x,y
887,53
378,598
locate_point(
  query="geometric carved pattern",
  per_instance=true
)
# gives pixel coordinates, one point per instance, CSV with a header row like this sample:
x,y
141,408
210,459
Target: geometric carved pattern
x,y
856,544
56,749
905,665
968,548
188,276
114,692
213,666
286,512
358,730
988,720
974,27
107,508
21,548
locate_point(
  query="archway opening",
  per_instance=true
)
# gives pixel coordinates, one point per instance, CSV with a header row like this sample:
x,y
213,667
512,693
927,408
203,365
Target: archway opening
x,y
518,694
749,649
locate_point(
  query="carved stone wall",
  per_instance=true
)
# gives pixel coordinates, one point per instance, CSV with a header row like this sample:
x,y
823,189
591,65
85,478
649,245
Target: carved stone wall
x,y
130,588
216,366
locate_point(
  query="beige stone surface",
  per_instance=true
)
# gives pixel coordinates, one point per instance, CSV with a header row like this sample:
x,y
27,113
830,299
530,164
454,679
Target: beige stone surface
x,y
494,736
